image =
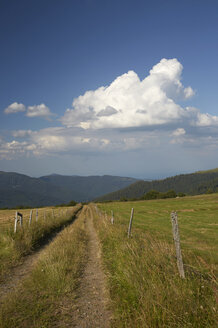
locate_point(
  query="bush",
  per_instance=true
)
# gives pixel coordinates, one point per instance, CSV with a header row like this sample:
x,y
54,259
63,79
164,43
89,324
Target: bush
x,y
153,194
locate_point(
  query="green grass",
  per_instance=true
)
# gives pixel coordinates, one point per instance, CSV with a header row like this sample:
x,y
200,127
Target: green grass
x,y
143,279
45,298
14,246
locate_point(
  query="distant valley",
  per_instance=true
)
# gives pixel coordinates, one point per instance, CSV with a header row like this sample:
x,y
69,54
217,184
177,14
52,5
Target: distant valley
x,y
19,189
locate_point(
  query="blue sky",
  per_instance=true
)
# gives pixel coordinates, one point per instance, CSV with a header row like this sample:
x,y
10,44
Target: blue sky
x,y
151,71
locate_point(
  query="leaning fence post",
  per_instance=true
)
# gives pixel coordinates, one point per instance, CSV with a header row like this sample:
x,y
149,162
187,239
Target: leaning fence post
x,y
15,223
130,223
175,227
112,217
30,219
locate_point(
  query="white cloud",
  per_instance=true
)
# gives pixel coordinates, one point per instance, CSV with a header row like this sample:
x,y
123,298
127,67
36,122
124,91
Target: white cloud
x,y
194,117
60,140
188,92
32,111
178,132
95,121
206,120
21,133
129,102
9,150
15,108
38,111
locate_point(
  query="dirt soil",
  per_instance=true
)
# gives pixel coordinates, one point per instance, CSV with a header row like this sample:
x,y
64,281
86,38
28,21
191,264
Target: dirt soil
x,y
92,306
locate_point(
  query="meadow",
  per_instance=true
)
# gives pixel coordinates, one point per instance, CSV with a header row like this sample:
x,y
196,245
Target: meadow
x,y
47,295
14,246
143,279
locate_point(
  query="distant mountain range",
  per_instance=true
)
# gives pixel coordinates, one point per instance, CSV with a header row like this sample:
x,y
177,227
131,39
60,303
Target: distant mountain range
x,y
192,184
19,189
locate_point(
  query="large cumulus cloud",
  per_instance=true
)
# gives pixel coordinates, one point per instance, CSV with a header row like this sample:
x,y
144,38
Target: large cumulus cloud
x,y
131,102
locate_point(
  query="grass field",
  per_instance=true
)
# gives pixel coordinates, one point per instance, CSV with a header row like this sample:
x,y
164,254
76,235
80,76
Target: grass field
x,y
13,246
143,279
7,216
46,297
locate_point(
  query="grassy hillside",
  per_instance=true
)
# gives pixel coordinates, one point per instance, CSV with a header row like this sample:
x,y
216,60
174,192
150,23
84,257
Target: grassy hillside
x,y
195,183
143,278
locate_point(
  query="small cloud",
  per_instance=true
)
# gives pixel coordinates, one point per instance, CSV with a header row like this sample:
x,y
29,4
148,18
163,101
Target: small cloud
x,y
178,132
38,111
21,133
188,92
206,120
15,108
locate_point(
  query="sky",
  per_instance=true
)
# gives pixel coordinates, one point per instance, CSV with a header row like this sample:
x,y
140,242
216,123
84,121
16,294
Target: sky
x,y
119,87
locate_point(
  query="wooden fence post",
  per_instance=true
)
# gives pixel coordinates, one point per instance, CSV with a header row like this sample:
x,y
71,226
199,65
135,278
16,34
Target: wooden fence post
x,y
30,219
175,227
112,217
130,223
18,218
53,213
44,214
37,214
15,223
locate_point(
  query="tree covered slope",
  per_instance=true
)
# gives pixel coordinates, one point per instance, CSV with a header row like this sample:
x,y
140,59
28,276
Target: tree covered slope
x,y
194,183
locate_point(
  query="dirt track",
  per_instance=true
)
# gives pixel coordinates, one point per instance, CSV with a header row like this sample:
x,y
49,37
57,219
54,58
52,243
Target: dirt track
x,y
90,309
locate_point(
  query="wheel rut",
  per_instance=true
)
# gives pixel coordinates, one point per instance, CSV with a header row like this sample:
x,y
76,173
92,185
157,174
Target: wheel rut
x,y
92,308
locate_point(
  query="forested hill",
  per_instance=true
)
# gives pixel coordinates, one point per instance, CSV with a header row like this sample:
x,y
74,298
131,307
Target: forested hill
x,y
21,190
193,184
86,188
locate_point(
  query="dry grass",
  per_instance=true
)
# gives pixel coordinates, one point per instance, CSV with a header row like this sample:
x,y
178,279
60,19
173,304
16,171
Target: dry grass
x,y
143,279
45,299
13,246
7,216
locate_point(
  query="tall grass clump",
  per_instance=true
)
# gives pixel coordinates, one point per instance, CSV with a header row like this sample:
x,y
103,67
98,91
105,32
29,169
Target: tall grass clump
x,y
145,287
14,246
47,296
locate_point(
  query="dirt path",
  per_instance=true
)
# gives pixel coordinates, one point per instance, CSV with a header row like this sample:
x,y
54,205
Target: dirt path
x,y
17,274
92,310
